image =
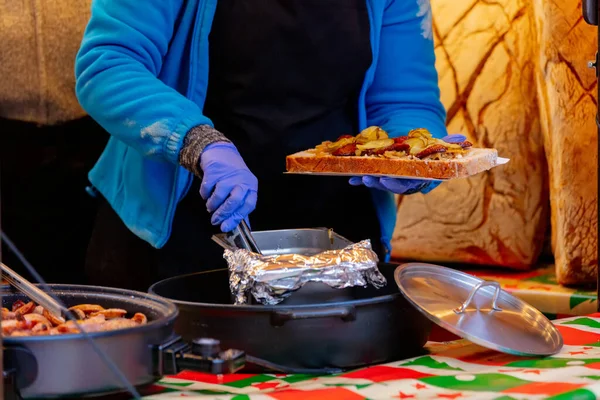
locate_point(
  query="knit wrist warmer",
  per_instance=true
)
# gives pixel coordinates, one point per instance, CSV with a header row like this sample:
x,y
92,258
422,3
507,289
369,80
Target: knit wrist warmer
x,y
194,143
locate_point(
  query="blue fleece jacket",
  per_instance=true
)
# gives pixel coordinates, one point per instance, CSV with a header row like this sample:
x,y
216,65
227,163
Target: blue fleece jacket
x,y
142,74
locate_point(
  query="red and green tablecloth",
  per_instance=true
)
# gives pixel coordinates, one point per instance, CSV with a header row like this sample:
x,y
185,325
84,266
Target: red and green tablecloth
x,y
540,289
454,370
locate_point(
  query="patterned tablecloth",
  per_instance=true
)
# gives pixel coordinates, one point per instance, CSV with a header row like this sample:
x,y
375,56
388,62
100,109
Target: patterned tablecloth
x,y
540,289
455,370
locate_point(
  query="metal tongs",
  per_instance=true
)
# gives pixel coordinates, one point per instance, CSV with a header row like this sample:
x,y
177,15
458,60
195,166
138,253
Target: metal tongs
x,y
32,291
245,234
230,240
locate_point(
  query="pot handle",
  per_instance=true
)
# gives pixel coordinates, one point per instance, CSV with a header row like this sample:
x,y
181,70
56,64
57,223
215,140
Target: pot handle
x,y
20,368
200,355
347,314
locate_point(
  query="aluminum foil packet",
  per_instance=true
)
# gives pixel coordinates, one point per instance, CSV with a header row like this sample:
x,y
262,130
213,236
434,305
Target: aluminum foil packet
x,y
271,279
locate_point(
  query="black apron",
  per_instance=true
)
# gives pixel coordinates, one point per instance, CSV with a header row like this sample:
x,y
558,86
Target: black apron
x,y
284,76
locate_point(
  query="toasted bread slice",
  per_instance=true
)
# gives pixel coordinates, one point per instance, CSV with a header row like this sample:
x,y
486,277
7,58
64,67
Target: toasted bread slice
x,y
473,162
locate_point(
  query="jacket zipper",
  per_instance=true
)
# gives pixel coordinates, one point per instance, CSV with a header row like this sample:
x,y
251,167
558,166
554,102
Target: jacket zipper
x,y
190,95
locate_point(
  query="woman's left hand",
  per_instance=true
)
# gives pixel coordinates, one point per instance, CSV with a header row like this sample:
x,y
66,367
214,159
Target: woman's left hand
x,y
397,186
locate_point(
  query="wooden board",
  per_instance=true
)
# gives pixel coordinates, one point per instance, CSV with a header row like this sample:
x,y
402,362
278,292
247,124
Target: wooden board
x,y
567,92
486,61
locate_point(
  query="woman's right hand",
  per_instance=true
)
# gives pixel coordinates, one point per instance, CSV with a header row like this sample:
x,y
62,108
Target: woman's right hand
x,y
228,186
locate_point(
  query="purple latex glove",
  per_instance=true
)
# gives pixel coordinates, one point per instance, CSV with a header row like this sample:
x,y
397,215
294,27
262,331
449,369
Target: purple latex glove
x,y
397,186
456,138
228,185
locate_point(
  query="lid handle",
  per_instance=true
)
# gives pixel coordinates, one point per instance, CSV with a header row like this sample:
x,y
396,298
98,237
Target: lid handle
x,y
496,285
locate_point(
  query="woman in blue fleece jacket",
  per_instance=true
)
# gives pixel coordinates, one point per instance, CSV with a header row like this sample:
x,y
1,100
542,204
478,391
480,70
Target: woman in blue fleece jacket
x,y
210,96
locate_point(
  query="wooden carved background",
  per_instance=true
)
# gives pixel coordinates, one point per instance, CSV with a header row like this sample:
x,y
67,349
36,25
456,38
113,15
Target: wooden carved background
x,y
513,76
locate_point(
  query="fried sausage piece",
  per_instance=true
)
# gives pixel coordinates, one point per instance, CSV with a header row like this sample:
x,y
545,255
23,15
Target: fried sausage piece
x,y
78,313
139,318
41,329
87,308
118,323
110,313
347,150
93,324
8,315
26,308
398,146
8,327
53,318
17,304
33,320
436,148
344,137
37,319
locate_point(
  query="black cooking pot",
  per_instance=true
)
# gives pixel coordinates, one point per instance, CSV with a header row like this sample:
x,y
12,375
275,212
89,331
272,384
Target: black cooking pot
x,y
67,365
314,328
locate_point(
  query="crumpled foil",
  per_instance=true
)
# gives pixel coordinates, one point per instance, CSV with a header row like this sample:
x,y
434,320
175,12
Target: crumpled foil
x,y
271,279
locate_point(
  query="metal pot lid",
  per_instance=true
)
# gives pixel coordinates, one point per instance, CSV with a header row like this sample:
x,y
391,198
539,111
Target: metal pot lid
x,y
478,310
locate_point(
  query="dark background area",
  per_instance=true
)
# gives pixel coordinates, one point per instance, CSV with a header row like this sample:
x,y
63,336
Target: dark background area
x,y
45,208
